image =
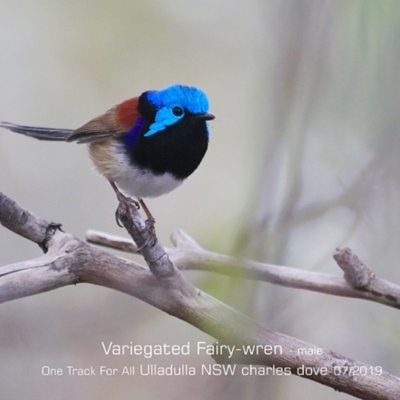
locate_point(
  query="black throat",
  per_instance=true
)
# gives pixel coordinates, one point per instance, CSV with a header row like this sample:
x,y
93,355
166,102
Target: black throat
x,y
178,149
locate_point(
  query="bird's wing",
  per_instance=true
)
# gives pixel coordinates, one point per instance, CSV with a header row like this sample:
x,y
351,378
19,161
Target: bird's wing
x,y
113,123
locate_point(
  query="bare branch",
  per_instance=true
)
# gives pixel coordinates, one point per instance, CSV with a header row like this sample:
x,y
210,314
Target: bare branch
x,y
187,254
23,222
69,260
112,241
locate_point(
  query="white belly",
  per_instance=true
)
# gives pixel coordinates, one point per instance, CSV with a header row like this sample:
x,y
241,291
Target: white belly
x,y
142,183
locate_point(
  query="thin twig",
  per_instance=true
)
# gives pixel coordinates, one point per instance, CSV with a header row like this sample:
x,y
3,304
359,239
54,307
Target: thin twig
x,y
187,254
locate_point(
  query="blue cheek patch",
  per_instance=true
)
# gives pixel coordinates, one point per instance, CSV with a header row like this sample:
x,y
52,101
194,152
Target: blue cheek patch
x,y
164,117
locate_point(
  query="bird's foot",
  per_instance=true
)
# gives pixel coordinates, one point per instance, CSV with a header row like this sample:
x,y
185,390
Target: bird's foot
x,y
122,199
150,221
126,200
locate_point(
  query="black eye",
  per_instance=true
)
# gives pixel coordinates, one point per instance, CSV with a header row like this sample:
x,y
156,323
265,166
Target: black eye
x,y
177,111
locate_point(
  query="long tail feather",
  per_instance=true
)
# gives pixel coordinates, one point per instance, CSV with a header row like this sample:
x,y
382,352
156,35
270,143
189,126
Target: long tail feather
x,y
53,134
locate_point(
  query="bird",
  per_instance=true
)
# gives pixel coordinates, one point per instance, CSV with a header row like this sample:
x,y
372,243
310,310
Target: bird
x,y
145,146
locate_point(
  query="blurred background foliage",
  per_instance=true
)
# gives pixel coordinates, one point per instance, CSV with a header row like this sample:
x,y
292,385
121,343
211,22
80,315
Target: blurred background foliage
x,y
304,157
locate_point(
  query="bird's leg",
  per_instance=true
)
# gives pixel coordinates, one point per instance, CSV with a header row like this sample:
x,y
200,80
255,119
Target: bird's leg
x,y
150,221
149,215
122,197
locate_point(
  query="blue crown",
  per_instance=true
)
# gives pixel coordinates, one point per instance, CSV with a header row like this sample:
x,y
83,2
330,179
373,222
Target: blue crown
x,y
188,97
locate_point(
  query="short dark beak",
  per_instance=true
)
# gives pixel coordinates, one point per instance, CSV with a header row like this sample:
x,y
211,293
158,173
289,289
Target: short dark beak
x,y
205,116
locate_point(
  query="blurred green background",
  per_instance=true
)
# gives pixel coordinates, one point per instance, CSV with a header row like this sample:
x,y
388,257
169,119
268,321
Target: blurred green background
x,y
304,157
